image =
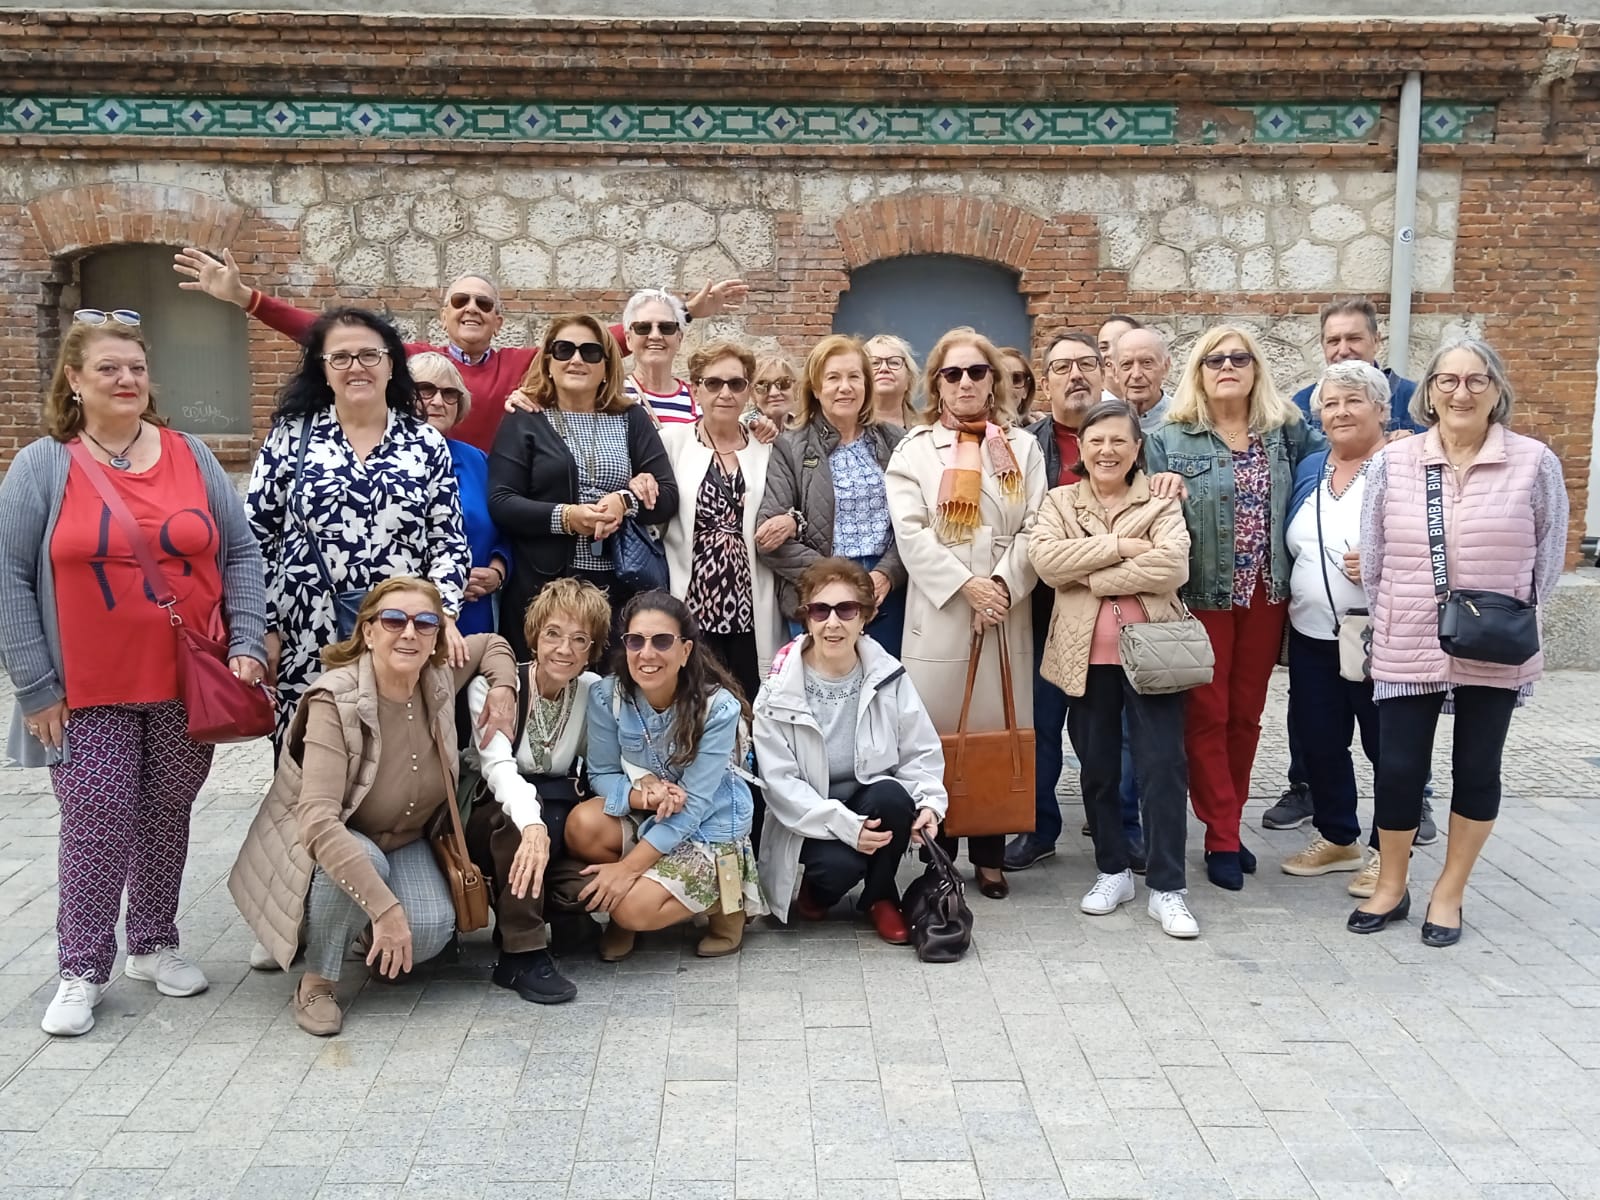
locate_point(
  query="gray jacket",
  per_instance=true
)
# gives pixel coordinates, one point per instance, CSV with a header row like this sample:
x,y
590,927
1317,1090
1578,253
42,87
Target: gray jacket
x,y
800,479
30,641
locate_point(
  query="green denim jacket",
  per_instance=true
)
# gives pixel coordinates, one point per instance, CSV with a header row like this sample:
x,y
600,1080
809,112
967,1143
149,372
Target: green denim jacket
x,y
1206,465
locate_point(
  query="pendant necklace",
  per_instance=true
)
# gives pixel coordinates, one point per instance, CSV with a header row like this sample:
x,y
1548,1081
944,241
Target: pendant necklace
x,y
119,459
586,447
544,736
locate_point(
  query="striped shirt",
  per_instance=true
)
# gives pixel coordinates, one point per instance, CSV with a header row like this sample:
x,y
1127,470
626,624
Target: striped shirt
x,y
669,408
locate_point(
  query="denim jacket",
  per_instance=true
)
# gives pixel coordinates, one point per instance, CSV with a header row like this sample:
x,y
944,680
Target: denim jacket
x,y
1206,465
719,806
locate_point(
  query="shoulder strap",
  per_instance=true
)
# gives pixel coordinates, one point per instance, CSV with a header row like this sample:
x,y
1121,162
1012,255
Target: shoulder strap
x,y
1435,515
311,541
524,699
160,588
1322,554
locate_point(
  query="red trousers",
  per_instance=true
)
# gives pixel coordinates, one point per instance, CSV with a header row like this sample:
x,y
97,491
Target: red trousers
x,y
1223,723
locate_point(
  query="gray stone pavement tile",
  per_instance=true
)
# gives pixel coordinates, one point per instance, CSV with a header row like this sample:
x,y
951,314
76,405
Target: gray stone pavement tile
x,y
939,1181
271,1183
452,1181
620,1179
858,1189
774,1179
121,1183
692,1189
1104,1179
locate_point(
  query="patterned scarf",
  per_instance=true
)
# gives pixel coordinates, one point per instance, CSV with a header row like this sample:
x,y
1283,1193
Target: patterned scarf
x,y
961,485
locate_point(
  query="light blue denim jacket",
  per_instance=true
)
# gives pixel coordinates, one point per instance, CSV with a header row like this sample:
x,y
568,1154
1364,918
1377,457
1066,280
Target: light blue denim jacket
x,y
719,806
1206,464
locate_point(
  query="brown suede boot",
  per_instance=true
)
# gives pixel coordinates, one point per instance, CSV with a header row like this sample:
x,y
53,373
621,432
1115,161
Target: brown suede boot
x,y
616,943
724,932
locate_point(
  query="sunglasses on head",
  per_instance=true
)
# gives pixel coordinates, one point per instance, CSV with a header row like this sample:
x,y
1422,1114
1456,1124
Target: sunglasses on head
x,y
714,384
485,304
977,372
1234,358
590,352
395,620
847,610
659,642
430,391
664,328
96,316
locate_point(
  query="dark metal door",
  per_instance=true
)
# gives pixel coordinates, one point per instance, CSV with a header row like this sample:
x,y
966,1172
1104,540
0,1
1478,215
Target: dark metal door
x,y
922,296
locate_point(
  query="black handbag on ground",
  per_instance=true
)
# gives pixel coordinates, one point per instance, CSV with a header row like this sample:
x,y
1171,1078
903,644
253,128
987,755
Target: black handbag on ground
x,y
345,604
1482,626
935,909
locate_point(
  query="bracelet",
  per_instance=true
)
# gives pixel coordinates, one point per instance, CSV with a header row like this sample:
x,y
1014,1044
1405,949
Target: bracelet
x,y
561,511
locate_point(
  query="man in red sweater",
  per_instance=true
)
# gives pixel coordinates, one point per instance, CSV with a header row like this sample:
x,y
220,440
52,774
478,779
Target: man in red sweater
x,y
469,310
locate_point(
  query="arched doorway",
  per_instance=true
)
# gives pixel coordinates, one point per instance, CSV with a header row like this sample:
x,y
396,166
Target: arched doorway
x,y
921,296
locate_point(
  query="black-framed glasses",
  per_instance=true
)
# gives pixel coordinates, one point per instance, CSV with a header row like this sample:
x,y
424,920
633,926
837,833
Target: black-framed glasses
x,y
659,642
1476,383
99,316
664,328
891,362
590,352
343,360
395,620
977,372
715,383
432,391
1237,359
846,610
764,386
1063,366
484,304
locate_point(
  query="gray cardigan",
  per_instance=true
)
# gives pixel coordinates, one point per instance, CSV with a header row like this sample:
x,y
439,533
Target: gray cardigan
x,y
30,641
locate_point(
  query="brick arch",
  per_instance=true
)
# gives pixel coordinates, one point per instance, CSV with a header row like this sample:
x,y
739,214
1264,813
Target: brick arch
x,y
74,220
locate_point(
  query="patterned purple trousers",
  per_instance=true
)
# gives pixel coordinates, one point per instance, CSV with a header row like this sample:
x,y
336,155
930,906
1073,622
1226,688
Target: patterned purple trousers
x,y
125,800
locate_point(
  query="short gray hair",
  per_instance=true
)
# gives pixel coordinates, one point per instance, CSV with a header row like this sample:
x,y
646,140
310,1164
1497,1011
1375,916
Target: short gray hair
x,y
654,295
1355,373
1493,366
449,288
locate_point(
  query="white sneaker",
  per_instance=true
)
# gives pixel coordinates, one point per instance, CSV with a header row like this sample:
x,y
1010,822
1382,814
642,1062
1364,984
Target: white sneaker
x,y
71,1013
261,959
1172,910
1108,894
172,974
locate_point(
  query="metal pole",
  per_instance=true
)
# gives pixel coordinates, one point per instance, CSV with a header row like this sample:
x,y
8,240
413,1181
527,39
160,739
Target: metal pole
x,y
1408,150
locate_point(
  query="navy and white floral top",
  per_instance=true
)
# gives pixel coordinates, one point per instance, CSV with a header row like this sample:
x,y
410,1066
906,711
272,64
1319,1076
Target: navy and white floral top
x,y
1252,520
861,527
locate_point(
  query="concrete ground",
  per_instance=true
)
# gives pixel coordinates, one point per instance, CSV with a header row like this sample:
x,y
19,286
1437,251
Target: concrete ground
x,y
1067,1056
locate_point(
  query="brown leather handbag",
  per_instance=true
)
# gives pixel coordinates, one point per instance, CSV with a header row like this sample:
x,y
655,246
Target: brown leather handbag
x,y
989,775
469,893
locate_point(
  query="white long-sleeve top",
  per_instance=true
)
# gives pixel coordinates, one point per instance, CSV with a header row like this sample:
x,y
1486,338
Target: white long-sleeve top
x,y
506,770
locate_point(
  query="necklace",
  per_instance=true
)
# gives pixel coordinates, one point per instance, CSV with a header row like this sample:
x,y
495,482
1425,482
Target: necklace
x,y
722,456
546,721
586,447
119,458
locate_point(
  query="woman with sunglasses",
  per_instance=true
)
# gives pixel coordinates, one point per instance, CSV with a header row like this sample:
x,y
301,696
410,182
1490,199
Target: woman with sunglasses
x,y
562,478
350,487
94,660
1024,386
668,833
443,401
773,396
851,762
341,841
1502,505
1234,443
963,489
653,322
894,380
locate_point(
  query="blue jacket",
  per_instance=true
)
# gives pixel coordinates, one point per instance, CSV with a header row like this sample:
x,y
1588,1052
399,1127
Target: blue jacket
x,y
1400,392
471,467
1306,477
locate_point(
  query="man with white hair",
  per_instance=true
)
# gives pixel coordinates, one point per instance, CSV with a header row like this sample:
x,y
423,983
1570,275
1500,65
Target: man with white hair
x,y
1140,363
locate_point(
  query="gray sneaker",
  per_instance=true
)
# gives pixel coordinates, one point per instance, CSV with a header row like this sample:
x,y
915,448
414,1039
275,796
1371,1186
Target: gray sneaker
x,y
1427,831
1292,810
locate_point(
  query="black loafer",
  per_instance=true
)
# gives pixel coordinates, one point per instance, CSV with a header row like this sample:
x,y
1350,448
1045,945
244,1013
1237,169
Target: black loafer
x,y
1223,869
533,976
1440,936
994,889
1247,859
1371,922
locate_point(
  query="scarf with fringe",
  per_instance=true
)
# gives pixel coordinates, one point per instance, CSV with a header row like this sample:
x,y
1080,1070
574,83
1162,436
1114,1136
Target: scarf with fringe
x,y
961,485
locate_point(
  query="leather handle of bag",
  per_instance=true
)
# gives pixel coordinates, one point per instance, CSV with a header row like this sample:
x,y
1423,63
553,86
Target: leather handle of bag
x,y
1009,702
973,656
160,586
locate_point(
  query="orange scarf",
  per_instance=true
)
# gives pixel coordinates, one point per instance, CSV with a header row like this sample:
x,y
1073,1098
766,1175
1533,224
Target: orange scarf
x,y
961,485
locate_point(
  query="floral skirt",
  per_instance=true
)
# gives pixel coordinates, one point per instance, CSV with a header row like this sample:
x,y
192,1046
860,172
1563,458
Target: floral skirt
x,y
689,872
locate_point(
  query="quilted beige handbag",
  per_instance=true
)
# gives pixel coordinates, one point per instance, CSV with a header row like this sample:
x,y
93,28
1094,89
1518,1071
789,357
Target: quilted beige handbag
x,y
1166,656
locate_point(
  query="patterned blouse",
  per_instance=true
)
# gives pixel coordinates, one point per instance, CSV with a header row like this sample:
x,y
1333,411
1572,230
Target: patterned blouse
x,y
861,527
1252,520
721,594
599,445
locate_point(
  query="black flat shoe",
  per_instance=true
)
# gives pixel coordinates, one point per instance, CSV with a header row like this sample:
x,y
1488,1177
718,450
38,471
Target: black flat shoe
x,y
1247,860
1371,922
1223,869
1440,936
995,889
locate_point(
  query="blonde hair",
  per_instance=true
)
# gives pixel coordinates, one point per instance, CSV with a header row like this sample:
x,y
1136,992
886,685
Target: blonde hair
x,y
1002,404
777,364
431,362
342,654
541,389
898,345
63,415
811,379
1267,407
578,597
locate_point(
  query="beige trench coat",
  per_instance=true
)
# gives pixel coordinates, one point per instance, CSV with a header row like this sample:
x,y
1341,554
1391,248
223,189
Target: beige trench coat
x,y
938,635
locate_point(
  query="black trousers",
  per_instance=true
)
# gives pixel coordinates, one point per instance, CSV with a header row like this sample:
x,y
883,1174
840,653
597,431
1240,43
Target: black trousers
x,y
1155,737
1325,711
833,868
737,652
1406,725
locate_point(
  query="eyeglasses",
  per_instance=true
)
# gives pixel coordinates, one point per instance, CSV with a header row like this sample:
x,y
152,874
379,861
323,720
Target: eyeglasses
x,y
590,352
715,384
96,316
659,642
892,362
395,620
1063,366
1476,384
554,637
432,391
847,610
664,328
460,300
343,360
1234,358
1019,379
773,385
977,372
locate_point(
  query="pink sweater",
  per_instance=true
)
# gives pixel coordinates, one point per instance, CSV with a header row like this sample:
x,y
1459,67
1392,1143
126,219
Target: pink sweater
x,y
1505,531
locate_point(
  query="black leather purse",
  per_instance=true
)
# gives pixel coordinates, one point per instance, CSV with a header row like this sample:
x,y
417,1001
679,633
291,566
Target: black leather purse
x,y
1474,624
935,908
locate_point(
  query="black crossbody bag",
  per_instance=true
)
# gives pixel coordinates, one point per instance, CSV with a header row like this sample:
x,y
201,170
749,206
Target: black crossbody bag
x,y
1483,626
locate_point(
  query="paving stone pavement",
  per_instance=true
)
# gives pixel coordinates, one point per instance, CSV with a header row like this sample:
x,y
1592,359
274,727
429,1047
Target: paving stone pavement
x,y
1275,1058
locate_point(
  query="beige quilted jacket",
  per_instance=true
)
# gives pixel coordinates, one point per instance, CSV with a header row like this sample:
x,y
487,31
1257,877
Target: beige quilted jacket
x,y
1075,552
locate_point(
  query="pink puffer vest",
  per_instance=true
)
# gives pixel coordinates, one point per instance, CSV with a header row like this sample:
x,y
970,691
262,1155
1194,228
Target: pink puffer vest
x,y
1489,544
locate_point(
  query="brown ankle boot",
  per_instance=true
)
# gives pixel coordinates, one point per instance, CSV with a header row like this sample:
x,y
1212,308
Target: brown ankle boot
x,y
616,943
724,932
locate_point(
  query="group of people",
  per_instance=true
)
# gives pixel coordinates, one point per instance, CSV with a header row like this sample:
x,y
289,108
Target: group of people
x,y
796,578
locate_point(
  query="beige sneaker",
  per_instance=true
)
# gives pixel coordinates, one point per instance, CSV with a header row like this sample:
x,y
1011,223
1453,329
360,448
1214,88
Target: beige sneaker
x,y
1321,857
1366,883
